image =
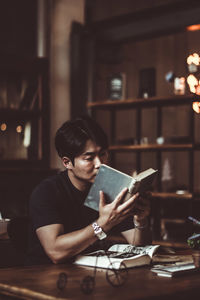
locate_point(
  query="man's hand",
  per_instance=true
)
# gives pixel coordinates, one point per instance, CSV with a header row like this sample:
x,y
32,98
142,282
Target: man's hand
x,y
115,212
141,210
141,234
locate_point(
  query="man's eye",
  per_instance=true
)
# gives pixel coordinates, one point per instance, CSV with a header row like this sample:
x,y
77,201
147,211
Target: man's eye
x,y
90,158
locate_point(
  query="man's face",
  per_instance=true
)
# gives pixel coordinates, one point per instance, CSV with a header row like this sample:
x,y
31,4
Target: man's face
x,y
86,165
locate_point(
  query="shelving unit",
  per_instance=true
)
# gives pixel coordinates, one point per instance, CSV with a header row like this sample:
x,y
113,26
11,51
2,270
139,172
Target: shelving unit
x,y
24,112
117,46
24,130
159,197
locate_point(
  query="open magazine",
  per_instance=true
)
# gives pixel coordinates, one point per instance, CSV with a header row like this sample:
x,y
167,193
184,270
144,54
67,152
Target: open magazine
x,y
129,255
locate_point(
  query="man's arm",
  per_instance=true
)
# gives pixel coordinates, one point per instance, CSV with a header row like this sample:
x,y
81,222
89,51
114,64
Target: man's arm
x,y
59,246
141,234
138,236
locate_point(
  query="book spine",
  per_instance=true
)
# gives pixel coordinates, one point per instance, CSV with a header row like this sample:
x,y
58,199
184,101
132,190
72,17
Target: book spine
x,y
133,188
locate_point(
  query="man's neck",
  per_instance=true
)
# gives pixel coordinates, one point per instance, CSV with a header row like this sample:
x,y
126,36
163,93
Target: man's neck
x,y
79,184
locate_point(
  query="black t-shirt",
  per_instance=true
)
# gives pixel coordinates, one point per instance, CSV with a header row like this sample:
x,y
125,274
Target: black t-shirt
x,y
56,201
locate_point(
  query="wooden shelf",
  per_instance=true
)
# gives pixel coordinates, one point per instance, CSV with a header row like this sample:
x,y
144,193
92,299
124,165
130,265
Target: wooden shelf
x,y
153,147
15,114
186,196
172,244
151,101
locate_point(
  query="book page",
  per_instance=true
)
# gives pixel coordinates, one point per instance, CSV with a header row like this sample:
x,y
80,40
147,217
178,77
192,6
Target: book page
x,y
143,181
126,248
144,174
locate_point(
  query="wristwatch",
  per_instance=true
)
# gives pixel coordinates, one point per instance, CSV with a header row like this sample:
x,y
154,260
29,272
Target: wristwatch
x,y
98,231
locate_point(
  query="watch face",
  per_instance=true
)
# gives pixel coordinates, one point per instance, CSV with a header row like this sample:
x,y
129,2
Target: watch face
x,y
98,230
101,235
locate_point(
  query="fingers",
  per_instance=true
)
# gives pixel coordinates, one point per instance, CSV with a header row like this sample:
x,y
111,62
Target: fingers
x,y
119,197
135,205
129,204
102,200
117,200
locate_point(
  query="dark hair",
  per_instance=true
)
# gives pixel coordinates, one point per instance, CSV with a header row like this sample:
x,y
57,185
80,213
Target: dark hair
x,y
72,136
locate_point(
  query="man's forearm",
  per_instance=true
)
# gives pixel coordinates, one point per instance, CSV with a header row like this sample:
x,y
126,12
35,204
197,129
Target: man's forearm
x,y
60,247
140,235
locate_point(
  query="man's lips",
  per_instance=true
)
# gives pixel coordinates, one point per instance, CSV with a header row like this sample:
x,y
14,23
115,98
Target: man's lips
x,y
94,176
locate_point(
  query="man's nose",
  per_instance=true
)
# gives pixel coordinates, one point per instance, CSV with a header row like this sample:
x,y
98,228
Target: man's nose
x,y
97,161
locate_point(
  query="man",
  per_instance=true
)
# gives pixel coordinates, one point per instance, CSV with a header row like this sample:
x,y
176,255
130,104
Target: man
x,y
62,226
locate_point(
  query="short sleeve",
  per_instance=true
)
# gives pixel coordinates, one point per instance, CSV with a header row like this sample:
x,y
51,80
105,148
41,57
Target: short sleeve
x,y
43,205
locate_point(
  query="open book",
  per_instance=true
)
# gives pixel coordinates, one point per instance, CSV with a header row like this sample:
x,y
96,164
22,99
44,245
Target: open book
x,y
131,256
112,181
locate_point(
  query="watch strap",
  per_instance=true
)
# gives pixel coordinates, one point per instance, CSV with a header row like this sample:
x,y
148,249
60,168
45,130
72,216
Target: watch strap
x,y
98,231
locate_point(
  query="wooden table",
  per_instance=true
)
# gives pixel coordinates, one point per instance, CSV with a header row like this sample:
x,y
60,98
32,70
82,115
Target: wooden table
x,y
40,282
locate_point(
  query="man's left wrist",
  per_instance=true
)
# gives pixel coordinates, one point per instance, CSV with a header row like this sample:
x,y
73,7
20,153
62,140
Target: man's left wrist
x,y
98,231
141,224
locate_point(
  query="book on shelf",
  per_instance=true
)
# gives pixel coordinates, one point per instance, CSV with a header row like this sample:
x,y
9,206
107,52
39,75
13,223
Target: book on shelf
x,y
127,255
112,181
117,86
175,270
30,96
3,94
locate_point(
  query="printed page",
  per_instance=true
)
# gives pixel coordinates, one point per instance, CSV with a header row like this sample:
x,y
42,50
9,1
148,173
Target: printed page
x,y
126,248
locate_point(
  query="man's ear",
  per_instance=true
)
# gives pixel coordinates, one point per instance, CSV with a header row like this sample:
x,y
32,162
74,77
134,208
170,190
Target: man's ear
x,y
67,162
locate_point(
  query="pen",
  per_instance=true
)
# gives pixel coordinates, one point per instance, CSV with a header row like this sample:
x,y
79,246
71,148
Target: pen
x,y
195,221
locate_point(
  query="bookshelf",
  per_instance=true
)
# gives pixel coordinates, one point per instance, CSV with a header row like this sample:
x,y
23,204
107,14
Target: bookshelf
x,y
116,45
160,196
24,130
24,112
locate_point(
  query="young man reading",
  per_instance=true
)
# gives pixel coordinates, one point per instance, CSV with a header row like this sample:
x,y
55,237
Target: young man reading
x,y
61,226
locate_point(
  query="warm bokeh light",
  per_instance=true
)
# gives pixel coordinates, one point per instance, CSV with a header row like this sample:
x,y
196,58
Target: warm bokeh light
x,y
192,82
3,127
193,59
194,27
196,107
19,129
198,89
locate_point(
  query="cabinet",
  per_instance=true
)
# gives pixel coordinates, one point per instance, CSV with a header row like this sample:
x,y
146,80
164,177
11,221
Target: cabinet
x,y
24,112
172,200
